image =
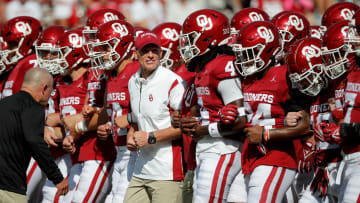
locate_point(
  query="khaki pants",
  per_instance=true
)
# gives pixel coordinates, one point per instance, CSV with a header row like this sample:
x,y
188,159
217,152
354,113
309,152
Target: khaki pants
x,y
11,197
187,193
154,191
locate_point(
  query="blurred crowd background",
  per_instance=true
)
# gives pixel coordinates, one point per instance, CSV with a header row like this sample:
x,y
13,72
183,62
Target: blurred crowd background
x,y
149,13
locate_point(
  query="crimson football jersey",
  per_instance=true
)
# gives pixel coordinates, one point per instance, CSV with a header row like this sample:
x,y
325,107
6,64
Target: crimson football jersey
x,y
95,90
92,148
72,100
184,74
206,84
53,107
17,74
54,99
352,108
320,112
263,100
210,101
189,145
3,79
118,99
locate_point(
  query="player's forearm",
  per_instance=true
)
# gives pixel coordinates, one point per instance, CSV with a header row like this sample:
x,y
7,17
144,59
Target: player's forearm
x,y
166,134
53,119
301,130
223,130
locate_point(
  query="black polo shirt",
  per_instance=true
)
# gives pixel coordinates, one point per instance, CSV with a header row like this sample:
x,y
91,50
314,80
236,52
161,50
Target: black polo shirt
x,y
22,122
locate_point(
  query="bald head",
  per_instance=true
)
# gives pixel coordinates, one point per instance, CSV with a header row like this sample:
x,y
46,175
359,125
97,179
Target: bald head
x,y
35,78
39,83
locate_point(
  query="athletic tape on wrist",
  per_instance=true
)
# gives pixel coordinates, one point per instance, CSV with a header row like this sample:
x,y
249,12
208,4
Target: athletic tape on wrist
x,y
213,130
241,111
81,126
50,128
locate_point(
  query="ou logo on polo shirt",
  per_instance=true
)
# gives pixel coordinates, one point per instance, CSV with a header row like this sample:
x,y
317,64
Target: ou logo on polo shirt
x,y
151,98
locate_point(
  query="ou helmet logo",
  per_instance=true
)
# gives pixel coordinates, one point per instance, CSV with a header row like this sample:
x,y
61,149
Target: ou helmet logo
x,y
117,27
296,22
23,27
255,16
316,33
204,22
170,34
311,51
75,40
347,14
344,30
110,17
266,34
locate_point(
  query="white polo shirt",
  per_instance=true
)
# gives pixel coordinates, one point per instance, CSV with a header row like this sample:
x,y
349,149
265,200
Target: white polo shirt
x,y
151,101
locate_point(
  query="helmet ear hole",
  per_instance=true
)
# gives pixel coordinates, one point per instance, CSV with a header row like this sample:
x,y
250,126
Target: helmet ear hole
x,y
207,39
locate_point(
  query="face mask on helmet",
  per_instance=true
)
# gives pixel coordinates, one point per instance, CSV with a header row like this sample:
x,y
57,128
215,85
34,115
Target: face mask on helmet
x,y
46,56
188,48
105,57
44,45
166,61
334,52
11,54
248,59
352,39
335,60
310,82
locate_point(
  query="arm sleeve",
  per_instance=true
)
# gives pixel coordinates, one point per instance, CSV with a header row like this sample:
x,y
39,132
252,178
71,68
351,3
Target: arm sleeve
x,y
33,123
230,90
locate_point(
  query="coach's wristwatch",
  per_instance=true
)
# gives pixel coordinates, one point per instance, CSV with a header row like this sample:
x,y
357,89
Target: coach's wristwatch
x,y
152,138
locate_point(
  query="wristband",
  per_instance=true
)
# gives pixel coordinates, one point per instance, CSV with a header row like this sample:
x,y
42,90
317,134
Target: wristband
x,y
77,129
129,118
284,122
267,135
241,111
50,128
81,127
213,130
